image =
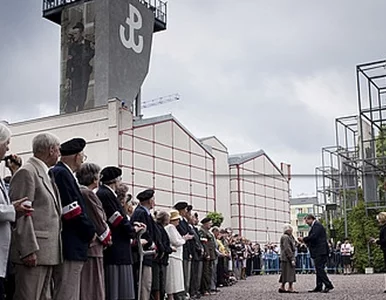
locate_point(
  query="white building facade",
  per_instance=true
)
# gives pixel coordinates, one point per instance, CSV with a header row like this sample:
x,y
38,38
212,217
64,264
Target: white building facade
x,y
299,208
259,197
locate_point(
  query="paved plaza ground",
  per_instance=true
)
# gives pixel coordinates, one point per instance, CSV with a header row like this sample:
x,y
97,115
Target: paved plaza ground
x,y
265,287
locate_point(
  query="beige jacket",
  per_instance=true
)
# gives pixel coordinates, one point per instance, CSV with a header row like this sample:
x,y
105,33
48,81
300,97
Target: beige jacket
x,y
39,233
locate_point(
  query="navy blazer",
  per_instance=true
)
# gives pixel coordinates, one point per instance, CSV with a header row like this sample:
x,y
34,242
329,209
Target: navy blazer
x,y
119,253
188,248
140,215
165,241
77,231
317,240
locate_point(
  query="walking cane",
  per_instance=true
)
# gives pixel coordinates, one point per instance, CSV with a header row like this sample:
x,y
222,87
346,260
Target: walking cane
x,y
142,254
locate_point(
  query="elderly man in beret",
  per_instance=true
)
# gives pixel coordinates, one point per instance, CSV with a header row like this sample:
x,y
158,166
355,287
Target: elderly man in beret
x,y
78,230
184,229
209,244
142,214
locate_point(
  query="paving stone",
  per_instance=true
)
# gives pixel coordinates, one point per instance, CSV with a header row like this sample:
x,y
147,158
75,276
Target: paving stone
x,y
265,287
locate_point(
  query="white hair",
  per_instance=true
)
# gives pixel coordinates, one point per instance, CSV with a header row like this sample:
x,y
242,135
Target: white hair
x,y
287,227
43,141
5,133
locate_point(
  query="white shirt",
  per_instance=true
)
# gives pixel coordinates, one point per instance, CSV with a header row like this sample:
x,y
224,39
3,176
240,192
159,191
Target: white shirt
x,y
71,171
42,164
345,249
111,190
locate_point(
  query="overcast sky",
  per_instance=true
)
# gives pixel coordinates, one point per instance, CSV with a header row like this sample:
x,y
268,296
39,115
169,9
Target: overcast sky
x,y
269,75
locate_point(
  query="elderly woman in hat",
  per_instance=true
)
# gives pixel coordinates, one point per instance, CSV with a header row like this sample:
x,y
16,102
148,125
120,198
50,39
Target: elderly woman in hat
x,y
175,287
92,278
119,279
287,259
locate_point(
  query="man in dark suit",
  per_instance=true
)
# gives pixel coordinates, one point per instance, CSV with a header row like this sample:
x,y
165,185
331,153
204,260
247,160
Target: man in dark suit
x,y
78,230
198,252
142,215
183,228
317,244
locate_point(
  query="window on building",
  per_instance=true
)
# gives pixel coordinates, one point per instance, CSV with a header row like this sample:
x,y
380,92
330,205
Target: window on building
x,y
310,210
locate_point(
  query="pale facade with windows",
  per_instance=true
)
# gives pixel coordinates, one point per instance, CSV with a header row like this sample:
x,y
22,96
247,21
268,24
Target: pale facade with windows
x,y
299,208
259,196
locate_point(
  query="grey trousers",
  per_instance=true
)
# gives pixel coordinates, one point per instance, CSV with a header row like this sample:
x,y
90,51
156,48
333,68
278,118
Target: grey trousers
x,y
67,280
146,283
195,279
213,283
187,264
33,283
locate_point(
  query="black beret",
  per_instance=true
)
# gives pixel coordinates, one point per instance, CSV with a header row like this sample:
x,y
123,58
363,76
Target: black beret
x,y
145,195
206,220
180,205
190,207
72,147
110,173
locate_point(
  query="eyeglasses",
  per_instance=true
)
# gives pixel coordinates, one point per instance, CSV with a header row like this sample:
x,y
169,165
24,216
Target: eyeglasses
x,y
84,157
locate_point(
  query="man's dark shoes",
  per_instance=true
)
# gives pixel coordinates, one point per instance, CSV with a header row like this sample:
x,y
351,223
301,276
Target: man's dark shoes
x,y
315,291
327,289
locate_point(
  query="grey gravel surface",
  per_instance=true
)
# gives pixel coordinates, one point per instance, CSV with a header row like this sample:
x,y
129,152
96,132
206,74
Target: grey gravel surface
x,y
265,287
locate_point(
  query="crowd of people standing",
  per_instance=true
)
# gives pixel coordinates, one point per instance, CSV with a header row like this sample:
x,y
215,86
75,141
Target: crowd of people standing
x,y
71,230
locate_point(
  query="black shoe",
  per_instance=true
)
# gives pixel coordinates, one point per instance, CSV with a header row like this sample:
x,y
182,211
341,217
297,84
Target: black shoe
x,y
315,291
327,289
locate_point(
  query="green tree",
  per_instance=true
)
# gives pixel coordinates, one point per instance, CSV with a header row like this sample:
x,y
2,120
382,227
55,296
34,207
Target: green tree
x,y
216,217
361,227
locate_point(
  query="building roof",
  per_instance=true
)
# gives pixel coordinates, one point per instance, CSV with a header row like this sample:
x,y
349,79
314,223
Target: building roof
x,y
238,159
304,200
147,121
215,138
169,117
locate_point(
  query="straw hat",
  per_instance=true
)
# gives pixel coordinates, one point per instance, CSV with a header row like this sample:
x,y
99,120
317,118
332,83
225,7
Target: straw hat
x,y
174,215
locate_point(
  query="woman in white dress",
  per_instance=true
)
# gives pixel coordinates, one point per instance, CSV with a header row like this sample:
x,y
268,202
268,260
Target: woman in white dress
x,y
174,272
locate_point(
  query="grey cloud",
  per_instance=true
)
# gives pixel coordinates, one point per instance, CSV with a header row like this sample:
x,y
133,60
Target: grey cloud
x,y
237,65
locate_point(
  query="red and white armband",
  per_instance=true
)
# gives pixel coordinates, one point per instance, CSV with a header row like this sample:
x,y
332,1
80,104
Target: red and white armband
x,y
105,237
204,240
71,211
115,219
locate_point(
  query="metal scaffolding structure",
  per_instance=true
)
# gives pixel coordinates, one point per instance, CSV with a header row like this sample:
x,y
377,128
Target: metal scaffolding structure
x,y
357,161
337,180
371,88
